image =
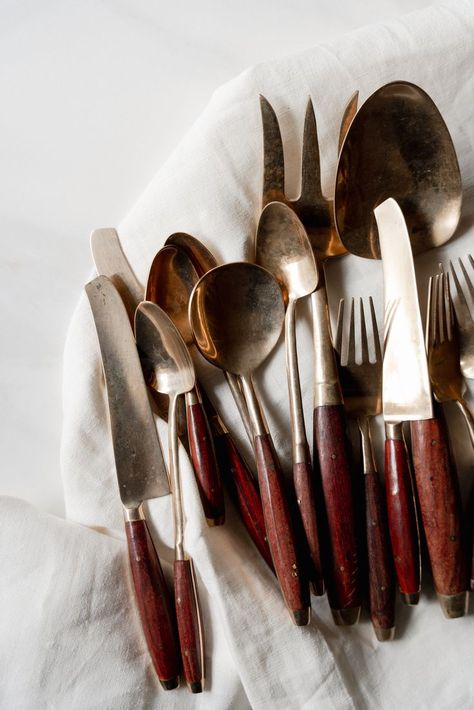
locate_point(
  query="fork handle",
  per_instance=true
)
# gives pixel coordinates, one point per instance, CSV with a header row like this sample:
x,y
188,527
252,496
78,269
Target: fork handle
x,y
440,504
204,461
342,563
402,517
189,624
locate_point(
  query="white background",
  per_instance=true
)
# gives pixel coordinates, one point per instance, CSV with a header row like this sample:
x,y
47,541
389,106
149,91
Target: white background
x,y
94,97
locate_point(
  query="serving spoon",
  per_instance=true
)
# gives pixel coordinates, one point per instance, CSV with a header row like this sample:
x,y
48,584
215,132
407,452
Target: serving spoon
x,y
236,313
399,147
282,247
162,349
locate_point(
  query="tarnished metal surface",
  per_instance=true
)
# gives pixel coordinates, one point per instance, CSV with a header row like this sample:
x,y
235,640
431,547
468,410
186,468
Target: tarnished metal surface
x,y
397,146
139,461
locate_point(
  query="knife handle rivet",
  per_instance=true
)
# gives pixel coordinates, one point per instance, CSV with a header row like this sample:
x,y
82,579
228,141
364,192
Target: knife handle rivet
x,y
333,456
433,442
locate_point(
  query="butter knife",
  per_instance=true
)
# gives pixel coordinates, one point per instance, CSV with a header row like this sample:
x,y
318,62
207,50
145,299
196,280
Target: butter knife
x,y
141,472
407,397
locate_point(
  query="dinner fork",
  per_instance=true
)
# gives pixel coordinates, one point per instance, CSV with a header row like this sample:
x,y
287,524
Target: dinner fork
x,y
464,316
443,348
330,450
361,381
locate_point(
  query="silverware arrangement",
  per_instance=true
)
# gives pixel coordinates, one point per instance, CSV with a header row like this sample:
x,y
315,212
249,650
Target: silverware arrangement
x,y
397,193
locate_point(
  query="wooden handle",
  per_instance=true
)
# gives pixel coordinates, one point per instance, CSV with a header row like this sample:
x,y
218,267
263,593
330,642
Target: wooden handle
x,y
205,465
402,519
381,573
244,492
280,533
154,604
342,574
305,495
189,626
440,504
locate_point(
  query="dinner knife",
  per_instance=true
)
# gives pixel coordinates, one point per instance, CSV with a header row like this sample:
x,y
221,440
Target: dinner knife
x,y
141,472
407,397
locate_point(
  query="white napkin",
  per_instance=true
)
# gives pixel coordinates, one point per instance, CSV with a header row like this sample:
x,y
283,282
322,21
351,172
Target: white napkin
x,y
70,632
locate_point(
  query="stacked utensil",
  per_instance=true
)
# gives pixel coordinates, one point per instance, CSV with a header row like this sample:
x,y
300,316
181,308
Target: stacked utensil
x,y
397,193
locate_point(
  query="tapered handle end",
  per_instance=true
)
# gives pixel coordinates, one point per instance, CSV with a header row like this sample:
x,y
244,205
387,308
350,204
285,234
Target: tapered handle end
x,y
189,625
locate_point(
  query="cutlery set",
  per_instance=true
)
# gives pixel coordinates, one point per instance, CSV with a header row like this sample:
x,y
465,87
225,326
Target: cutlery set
x,y
397,193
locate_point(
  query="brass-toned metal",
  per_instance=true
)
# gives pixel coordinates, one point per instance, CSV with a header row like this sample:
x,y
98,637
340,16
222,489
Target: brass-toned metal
x,y
397,146
175,271
317,215
139,460
464,315
236,313
163,350
406,382
282,247
442,344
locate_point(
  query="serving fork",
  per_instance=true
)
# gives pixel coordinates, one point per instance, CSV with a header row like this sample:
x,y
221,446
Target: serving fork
x,y
442,344
361,380
464,316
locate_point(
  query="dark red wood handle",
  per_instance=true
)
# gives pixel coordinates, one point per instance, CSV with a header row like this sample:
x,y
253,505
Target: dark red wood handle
x,y
342,573
205,464
244,492
402,519
189,628
154,604
305,495
280,533
381,573
440,505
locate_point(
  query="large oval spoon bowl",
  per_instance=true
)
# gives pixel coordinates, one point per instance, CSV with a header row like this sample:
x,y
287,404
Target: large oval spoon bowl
x,y
397,146
200,256
237,312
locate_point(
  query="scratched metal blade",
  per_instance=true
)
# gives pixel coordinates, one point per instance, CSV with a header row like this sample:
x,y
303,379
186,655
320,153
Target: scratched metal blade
x,y
406,383
139,461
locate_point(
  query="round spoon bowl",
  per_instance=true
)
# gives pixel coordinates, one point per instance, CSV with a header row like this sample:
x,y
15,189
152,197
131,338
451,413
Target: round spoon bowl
x,y
171,279
397,146
283,247
164,350
237,312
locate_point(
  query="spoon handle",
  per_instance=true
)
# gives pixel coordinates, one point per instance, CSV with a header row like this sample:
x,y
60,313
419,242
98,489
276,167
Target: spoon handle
x,y
204,460
189,624
440,504
402,517
343,581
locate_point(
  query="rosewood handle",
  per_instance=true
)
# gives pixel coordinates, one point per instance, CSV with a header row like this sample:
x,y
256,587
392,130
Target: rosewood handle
x,y
305,495
280,533
154,604
381,574
342,563
402,519
244,492
205,464
440,504
189,625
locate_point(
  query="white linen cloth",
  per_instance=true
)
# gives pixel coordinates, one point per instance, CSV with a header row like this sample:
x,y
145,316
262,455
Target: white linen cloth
x,y
70,631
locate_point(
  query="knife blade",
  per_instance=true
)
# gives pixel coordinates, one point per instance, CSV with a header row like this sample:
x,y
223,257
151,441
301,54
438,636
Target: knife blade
x,y
141,471
407,397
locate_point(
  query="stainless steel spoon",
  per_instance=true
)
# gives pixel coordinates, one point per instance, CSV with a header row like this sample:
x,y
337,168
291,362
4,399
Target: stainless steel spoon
x,y
163,350
237,312
283,247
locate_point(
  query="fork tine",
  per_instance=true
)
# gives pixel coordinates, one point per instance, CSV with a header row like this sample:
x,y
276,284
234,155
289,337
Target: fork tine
x,y
375,331
339,327
351,347
467,278
430,314
273,158
364,343
462,307
448,304
310,160
442,311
